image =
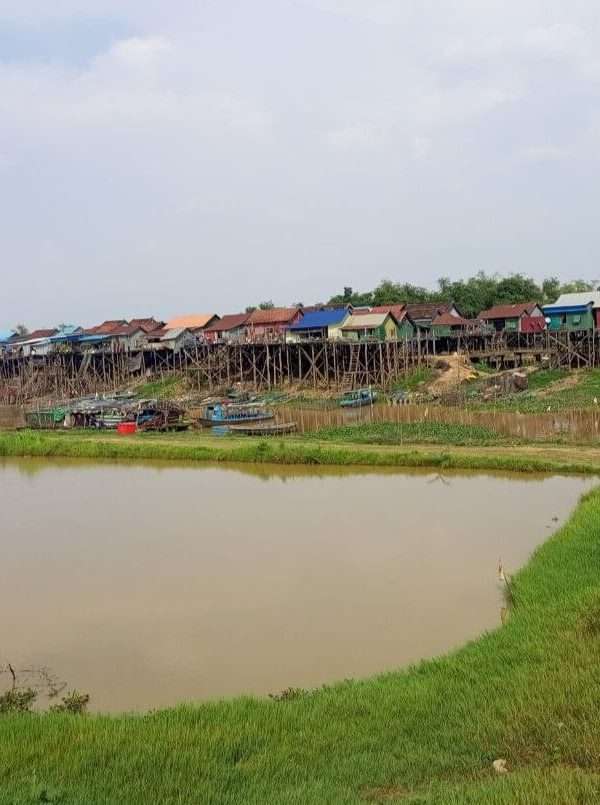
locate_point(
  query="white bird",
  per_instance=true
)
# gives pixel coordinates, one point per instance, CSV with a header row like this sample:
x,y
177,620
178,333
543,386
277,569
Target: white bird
x,y
595,401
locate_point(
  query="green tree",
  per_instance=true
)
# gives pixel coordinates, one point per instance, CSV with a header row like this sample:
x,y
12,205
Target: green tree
x,y
471,296
576,286
551,289
517,288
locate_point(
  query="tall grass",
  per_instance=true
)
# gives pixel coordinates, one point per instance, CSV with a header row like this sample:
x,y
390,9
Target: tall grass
x,y
528,693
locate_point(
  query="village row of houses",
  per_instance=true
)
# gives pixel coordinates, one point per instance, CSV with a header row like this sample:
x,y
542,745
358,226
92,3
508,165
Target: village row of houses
x,y
578,311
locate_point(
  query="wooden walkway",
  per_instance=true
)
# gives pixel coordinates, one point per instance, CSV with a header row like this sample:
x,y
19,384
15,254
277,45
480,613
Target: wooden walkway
x,y
317,365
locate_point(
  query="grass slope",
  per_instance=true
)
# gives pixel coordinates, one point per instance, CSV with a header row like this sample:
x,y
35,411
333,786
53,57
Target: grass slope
x,y
554,389
528,692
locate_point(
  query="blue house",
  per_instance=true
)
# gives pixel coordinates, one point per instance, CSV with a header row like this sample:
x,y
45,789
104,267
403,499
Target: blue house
x,y
5,336
318,325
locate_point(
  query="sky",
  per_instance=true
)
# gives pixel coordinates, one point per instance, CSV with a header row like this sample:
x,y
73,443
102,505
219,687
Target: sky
x,y
203,155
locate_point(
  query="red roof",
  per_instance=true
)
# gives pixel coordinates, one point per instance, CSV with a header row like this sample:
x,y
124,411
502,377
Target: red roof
x,y
158,333
274,315
194,321
398,311
107,327
229,322
428,310
31,336
448,320
147,325
509,311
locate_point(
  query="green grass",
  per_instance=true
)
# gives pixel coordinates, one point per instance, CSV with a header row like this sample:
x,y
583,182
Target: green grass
x,y
528,692
413,432
164,389
540,395
300,451
545,377
416,378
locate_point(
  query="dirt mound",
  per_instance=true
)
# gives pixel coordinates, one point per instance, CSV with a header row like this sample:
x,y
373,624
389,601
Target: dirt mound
x,y
453,370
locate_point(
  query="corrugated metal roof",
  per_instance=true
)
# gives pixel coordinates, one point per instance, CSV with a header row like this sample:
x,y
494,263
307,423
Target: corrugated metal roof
x,y
274,315
193,321
6,334
576,299
398,310
566,309
68,331
173,335
448,320
36,335
147,325
509,311
229,322
428,310
317,319
365,321
107,327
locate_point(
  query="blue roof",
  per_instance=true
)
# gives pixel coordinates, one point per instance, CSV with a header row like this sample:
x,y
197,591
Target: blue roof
x,y
317,319
566,308
6,334
68,332
87,339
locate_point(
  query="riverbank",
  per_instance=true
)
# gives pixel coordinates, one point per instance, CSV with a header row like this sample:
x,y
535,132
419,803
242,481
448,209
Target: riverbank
x,y
527,693
503,456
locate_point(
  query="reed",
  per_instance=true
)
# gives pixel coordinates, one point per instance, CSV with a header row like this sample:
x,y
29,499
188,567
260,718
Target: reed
x,y
425,432
527,693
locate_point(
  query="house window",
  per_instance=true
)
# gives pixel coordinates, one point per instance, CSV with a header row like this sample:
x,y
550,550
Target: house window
x,y
576,319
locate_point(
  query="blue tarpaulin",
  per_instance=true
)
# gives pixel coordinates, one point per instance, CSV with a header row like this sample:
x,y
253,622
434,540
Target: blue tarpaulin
x,y
317,319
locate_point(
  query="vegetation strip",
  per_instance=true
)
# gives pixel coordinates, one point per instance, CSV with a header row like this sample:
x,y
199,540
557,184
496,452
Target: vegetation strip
x,y
308,452
527,694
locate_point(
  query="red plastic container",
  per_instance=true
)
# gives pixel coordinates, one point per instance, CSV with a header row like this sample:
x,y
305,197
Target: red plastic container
x,y
125,428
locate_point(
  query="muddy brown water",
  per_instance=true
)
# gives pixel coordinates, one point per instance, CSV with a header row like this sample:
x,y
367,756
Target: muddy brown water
x,y
565,425
146,585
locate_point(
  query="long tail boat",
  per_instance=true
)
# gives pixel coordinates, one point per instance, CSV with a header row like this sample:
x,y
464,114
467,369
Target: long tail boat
x,y
232,414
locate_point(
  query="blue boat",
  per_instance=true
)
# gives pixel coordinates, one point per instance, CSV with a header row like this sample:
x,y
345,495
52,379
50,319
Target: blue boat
x,y
232,414
358,398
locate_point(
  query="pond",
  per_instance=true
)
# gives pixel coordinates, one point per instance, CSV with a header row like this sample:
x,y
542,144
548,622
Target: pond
x,y
146,585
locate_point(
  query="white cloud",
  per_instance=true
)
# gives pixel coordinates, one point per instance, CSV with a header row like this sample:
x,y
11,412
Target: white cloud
x,y
545,153
238,138
360,137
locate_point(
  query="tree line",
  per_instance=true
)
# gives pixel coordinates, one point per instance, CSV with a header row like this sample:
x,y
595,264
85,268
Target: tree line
x,y
471,296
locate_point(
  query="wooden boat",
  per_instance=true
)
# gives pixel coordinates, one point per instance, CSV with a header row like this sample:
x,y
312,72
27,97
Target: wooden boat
x,y
231,414
358,398
269,429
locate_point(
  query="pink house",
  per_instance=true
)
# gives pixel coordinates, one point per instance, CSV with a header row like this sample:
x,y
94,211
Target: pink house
x,y
272,324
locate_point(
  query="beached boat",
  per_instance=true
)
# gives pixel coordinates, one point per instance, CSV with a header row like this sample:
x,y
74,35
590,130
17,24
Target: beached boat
x,y
232,414
357,398
268,429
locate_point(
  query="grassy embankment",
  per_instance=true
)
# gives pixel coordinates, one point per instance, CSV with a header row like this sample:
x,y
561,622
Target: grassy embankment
x,y
325,449
551,389
528,693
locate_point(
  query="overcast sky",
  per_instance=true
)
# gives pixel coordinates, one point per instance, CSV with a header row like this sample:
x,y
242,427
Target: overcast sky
x,y
201,155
